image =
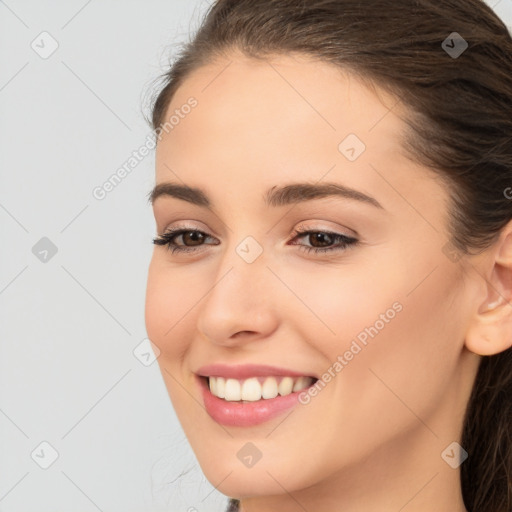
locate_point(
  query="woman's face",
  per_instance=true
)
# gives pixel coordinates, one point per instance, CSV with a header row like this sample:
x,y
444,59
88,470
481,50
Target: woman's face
x,y
379,319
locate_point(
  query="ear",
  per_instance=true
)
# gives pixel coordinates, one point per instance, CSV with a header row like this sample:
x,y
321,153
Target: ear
x,y
490,329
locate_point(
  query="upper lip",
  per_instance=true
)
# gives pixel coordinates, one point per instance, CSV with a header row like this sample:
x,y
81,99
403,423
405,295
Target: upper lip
x,y
244,371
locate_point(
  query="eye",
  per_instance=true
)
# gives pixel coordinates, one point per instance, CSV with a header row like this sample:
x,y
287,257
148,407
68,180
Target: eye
x,y
321,239
190,236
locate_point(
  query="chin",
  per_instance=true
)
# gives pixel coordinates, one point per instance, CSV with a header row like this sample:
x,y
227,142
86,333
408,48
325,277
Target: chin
x,y
255,481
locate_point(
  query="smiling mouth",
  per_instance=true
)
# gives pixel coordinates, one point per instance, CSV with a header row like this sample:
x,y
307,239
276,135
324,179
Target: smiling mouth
x,y
254,389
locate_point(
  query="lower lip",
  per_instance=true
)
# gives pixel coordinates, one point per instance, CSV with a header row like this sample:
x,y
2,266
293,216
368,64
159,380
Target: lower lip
x,y
247,414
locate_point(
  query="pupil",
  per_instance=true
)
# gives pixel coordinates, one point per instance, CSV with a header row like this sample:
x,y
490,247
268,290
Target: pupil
x,y
317,237
194,236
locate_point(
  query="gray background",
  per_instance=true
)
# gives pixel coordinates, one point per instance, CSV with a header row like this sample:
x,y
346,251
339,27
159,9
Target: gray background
x,y
70,321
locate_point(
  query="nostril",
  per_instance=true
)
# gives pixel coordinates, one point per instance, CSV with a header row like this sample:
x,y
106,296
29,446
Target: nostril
x,y
242,333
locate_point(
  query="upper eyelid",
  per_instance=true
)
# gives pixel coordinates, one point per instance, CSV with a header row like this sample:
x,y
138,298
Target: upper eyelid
x,y
299,227
299,231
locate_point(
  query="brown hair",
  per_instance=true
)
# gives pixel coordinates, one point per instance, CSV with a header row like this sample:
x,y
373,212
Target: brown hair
x,y
459,119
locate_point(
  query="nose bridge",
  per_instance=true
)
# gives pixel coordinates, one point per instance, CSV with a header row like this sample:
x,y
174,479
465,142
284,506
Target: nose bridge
x,y
242,268
240,298
240,283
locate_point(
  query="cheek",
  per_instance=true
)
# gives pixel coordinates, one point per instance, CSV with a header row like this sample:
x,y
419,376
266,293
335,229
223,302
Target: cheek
x,y
338,305
405,364
170,296
168,303
399,334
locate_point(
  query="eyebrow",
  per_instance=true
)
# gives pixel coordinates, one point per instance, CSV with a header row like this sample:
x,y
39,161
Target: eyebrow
x,y
276,196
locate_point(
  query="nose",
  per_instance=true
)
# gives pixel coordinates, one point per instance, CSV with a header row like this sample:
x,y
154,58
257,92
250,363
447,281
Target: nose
x,y
241,304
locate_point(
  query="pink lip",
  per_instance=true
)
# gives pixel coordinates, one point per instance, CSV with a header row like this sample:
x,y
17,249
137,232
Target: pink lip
x,y
238,414
244,371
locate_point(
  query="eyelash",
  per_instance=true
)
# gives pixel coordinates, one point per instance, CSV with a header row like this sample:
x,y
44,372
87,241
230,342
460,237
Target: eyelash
x,y
168,239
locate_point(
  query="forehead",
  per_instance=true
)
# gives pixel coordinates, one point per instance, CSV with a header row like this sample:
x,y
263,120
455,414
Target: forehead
x,y
282,95
280,119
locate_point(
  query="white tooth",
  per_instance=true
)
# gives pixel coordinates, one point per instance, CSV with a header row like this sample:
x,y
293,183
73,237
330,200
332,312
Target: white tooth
x,y
220,386
213,385
251,390
269,388
285,386
302,383
232,390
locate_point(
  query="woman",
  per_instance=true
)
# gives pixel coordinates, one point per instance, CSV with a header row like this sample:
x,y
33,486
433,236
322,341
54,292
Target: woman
x,y
330,286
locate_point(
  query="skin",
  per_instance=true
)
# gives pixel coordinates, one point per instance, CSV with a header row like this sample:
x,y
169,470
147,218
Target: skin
x,y
372,439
